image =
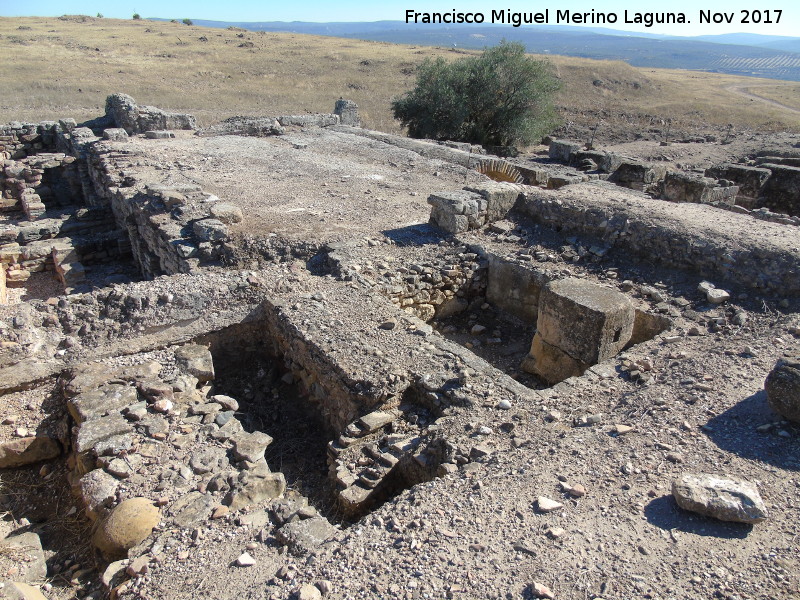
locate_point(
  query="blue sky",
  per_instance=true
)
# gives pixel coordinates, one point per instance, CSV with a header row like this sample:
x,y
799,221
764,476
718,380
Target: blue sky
x,y
351,10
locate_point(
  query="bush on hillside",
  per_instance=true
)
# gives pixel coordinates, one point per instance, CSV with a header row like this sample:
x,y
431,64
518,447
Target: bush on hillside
x,y
500,98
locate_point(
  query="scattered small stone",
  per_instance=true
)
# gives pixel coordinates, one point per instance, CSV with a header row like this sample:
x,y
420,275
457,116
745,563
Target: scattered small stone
x,y
540,590
324,586
504,405
553,415
219,512
308,592
576,491
547,505
245,560
717,296
138,566
620,429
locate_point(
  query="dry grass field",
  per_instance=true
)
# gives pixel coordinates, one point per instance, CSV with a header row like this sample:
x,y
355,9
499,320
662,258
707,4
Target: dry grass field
x,y
66,66
788,95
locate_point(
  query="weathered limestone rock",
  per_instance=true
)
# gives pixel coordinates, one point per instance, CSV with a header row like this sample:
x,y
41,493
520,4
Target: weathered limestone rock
x,y
551,363
580,324
646,326
209,460
196,360
210,230
250,446
451,307
17,590
500,197
686,187
192,509
562,151
99,491
515,288
126,114
457,212
115,134
722,498
114,574
588,321
307,535
253,489
25,552
226,212
129,524
158,135
108,398
93,434
27,451
375,420
783,388
637,175
123,111
348,112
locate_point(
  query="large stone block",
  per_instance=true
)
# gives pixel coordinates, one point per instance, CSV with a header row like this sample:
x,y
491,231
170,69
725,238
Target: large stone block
x,y
587,321
563,151
500,198
686,187
457,212
551,363
638,175
196,360
348,112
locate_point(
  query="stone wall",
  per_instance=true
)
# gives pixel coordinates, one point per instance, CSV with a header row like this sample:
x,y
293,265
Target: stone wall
x,y
123,112
473,207
687,187
749,180
437,287
632,225
781,191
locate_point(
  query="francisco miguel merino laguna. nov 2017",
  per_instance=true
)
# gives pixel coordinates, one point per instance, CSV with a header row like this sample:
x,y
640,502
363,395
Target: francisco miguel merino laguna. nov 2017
x,y
593,17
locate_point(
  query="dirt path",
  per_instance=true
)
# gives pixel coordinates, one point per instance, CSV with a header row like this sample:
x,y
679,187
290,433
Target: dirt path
x,y
742,91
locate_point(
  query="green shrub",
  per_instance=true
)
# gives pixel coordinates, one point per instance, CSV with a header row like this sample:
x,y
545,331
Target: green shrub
x,y
99,15
187,22
136,16
500,98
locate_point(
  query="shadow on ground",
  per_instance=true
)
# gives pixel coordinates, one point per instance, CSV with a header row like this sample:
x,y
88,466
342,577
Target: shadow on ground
x,y
421,234
735,431
664,513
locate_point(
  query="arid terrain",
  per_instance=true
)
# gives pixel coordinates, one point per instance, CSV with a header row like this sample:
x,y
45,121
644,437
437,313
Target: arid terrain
x,y
68,65
303,356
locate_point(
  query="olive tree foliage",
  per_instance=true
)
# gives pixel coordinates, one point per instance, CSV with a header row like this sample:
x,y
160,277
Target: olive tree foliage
x,y
500,98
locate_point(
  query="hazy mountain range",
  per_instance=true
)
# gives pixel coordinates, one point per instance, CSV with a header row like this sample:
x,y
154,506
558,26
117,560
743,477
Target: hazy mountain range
x,y
776,57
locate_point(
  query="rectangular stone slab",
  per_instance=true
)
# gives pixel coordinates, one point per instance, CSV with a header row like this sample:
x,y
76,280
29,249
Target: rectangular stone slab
x,y
587,321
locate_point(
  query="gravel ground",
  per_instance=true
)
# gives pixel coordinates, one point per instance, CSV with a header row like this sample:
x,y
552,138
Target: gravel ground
x,y
479,532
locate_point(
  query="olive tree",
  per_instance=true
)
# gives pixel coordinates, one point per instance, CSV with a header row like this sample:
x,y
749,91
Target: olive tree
x,y
500,98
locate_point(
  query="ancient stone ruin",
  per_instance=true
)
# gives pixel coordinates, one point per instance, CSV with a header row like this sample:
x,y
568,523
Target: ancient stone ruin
x,y
259,334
